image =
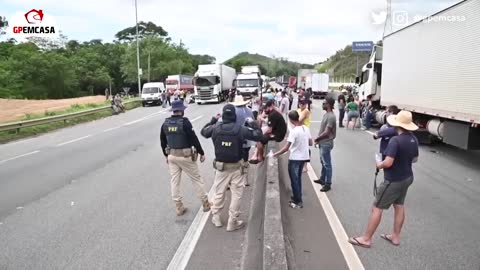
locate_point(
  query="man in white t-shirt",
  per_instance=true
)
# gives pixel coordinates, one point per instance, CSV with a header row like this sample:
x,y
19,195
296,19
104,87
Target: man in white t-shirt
x,y
298,142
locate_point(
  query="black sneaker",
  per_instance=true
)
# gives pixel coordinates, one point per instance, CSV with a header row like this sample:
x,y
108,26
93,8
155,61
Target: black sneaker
x,y
321,182
325,188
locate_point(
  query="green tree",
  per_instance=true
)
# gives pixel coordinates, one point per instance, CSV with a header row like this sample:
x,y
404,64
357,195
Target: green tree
x,y
144,30
61,68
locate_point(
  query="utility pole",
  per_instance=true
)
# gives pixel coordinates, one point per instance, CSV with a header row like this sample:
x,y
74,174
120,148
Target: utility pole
x,y
357,65
148,65
138,52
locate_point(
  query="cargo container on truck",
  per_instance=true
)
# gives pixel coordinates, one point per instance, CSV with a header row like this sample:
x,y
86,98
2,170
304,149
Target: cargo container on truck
x,y
249,81
303,75
292,82
320,85
265,80
180,82
431,68
152,93
282,80
212,82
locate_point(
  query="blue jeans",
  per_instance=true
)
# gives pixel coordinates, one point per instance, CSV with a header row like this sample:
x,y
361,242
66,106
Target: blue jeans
x,y
368,119
295,168
326,160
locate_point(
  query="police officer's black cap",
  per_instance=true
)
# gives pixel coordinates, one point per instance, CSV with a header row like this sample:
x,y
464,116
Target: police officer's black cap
x,y
228,111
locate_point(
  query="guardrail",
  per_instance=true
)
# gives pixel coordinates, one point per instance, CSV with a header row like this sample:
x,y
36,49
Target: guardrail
x,y
46,120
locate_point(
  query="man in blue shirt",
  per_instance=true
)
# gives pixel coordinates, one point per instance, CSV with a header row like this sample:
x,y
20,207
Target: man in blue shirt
x,y
401,152
244,113
386,132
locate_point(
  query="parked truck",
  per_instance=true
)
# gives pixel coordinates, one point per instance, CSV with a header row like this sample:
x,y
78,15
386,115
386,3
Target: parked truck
x,y
282,80
180,82
304,78
320,85
436,77
212,82
292,82
249,81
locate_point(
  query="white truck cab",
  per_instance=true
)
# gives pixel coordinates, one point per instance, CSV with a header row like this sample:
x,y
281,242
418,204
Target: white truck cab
x,y
249,81
370,81
152,93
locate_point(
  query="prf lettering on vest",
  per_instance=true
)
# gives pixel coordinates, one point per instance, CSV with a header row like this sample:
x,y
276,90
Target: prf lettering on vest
x,y
228,144
172,129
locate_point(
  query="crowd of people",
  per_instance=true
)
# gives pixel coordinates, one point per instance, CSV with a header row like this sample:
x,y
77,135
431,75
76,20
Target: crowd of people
x,y
238,127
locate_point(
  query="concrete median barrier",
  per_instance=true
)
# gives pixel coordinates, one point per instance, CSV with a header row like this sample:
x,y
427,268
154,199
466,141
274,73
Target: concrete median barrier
x,y
264,246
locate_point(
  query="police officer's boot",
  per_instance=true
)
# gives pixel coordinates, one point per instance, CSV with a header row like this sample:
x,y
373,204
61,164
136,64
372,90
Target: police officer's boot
x,y
180,209
217,221
235,224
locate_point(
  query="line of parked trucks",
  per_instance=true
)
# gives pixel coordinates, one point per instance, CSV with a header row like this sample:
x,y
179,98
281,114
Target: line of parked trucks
x,y
212,83
432,69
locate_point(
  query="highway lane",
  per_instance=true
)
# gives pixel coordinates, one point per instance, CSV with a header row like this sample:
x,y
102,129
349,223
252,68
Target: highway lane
x,y
96,195
443,204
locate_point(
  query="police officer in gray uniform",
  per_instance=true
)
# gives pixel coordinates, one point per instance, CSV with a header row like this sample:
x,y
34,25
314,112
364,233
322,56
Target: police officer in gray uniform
x,y
228,138
180,145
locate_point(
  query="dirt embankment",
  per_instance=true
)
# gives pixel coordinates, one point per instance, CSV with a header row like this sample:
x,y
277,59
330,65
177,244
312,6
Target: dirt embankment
x,y
15,109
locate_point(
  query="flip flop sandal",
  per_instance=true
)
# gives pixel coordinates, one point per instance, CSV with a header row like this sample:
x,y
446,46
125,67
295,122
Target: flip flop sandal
x,y
354,241
254,161
385,237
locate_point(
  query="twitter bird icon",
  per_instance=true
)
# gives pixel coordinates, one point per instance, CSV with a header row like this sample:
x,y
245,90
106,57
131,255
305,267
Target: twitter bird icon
x,y
379,17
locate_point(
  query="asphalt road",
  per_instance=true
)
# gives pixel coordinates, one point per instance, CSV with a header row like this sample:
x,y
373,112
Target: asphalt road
x,y
94,196
442,224
97,195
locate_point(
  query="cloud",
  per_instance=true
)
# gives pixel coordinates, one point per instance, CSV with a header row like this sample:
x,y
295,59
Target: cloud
x,y
305,30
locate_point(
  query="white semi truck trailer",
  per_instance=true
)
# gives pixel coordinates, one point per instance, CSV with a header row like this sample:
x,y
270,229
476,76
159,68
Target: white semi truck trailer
x,y
212,82
432,69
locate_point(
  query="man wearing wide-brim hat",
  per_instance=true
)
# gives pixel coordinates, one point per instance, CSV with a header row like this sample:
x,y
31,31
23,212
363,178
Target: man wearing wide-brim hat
x,y
401,152
244,114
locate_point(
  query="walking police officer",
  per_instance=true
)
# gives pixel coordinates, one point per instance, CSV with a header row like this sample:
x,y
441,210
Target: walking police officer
x,y
180,146
228,138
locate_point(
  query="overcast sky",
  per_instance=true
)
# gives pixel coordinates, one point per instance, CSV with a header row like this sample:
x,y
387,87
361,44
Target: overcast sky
x,y
307,31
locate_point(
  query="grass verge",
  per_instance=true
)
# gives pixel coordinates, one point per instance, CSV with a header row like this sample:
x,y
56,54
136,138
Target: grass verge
x,y
11,135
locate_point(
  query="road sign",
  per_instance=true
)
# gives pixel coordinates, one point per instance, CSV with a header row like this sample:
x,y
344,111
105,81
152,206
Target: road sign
x,y
362,46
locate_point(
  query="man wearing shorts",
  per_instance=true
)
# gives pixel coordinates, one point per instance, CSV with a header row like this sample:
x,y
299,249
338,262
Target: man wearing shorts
x,y
401,152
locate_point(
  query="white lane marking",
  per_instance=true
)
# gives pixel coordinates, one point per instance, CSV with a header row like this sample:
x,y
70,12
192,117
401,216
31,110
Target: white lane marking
x,y
197,118
19,207
75,140
110,129
133,122
349,253
16,157
185,250
72,203
143,118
